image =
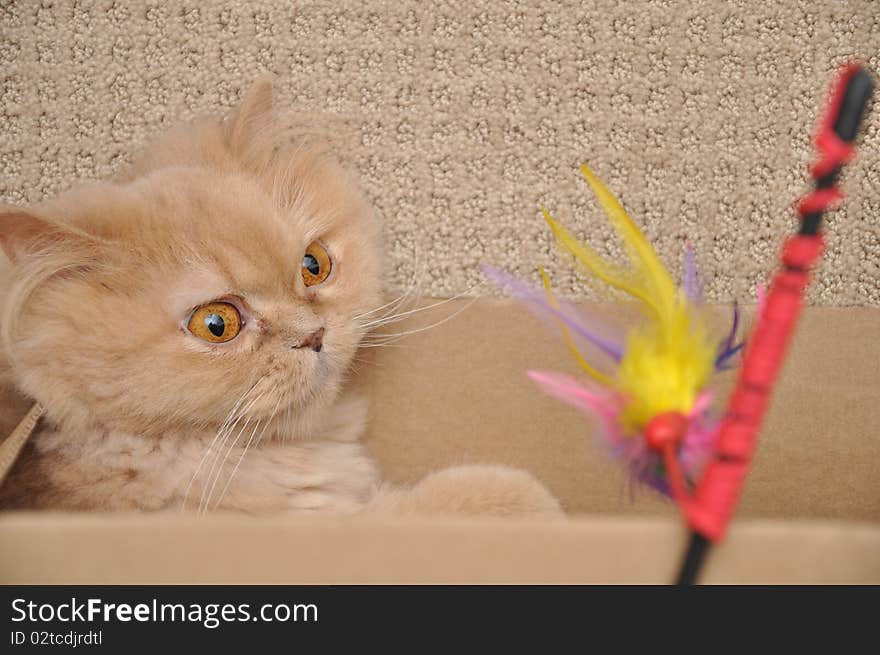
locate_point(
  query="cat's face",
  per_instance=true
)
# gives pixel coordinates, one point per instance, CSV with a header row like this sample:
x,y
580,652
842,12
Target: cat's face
x,y
188,291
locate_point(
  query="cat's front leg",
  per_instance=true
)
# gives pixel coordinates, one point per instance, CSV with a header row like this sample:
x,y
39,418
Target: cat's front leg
x,y
321,476
473,490
328,470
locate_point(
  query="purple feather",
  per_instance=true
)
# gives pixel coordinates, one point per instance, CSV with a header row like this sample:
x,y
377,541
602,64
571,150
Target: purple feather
x,y
690,276
728,344
726,349
536,300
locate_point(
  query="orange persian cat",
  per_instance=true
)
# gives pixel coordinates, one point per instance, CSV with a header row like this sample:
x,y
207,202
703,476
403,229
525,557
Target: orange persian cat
x,y
187,327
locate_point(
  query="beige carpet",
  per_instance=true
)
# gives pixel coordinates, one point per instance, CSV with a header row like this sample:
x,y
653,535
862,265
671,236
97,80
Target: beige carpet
x,y
467,116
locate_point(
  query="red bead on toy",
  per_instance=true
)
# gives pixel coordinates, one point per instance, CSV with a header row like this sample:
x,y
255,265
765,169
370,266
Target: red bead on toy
x,y
664,429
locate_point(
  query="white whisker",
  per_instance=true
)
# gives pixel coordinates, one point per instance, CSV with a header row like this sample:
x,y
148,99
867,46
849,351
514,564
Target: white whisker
x,y
409,293
372,325
226,435
225,459
362,360
223,425
245,451
385,339
397,300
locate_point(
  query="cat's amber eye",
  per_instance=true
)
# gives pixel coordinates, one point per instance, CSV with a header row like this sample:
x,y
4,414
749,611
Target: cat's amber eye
x,y
316,264
217,322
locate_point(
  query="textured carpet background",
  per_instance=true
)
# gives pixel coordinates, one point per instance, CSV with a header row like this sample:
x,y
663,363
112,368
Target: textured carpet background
x,y
466,116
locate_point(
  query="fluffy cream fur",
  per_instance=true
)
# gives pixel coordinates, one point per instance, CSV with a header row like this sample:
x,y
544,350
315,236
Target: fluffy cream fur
x,y
141,414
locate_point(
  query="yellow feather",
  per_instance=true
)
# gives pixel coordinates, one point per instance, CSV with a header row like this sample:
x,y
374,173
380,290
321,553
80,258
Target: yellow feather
x,y
566,335
654,281
665,367
592,261
667,361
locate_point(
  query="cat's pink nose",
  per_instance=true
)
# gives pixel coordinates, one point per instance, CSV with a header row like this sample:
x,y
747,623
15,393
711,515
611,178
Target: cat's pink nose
x,y
315,341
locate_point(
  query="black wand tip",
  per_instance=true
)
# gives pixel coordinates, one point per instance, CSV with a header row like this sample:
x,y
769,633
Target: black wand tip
x,y
852,107
693,560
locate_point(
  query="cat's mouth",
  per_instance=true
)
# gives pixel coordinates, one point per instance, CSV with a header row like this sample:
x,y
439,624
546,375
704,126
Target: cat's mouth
x,y
293,390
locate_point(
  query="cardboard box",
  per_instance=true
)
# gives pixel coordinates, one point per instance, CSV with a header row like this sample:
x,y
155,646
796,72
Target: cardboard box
x,y
457,393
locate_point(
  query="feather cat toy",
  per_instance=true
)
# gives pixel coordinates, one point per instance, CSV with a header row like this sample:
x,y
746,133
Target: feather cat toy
x,y
654,404
662,369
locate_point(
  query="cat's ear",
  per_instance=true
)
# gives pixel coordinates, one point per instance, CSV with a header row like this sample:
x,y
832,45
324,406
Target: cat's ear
x,y
254,114
23,231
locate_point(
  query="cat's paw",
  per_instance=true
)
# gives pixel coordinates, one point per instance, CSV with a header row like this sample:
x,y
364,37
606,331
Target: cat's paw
x,y
478,490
